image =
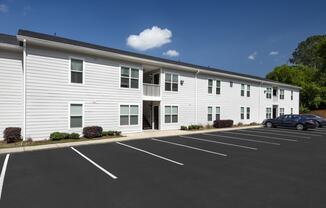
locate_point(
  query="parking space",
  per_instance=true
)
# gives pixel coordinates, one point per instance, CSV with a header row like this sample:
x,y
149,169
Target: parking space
x,y
240,168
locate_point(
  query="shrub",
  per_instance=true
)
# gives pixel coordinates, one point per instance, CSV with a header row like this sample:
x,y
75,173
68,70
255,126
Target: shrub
x,y
253,124
117,133
74,136
223,123
240,124
92,131
12,134
183,128
195,127
58,136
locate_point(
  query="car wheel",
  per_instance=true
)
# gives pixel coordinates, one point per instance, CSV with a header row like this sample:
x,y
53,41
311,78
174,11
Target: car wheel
x,y
300,127
318,125
269,125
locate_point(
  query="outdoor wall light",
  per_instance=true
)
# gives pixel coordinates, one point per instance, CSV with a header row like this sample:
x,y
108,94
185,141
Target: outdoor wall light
x,y
181,82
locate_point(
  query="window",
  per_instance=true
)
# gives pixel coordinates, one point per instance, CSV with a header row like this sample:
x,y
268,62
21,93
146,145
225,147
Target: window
x,y
231,84
274,91
210,113
291,110
218,113
210,86
242,113
129,77
171,114
281,111
242,89
248,90
128,115
248,113
218,87
269,93
76,115
76,71
171,82
291,94
268,113
281,94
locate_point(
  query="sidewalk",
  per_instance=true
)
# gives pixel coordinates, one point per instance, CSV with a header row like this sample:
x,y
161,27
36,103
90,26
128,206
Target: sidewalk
x,y
126,137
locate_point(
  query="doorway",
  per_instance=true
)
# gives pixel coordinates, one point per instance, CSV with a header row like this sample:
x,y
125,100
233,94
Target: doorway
x,y
151,115
275,107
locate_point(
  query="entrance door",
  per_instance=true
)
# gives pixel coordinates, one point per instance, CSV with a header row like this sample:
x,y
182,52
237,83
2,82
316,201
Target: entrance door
x,y
274,111
156,117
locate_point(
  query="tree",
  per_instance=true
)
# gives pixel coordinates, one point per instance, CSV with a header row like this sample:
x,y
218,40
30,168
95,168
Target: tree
x,y
308,52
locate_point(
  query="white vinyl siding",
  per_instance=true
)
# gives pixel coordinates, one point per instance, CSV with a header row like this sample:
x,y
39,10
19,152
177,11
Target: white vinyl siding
x,y
171,114
129,115
210,113
76,115
76,71
129,77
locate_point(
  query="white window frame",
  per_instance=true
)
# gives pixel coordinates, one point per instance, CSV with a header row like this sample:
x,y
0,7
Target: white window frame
x,y
248,93
268,93
219,107
83,73
291,111
282,94
129,104
171,83
69,115
248,113
268,112
130,67
209,114
242,113
282,110
242,90
210,87
291,94
171,114
218,87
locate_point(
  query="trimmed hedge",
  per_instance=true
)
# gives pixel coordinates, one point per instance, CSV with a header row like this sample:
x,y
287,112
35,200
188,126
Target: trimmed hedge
x,y
92,131
12,134
111,133
74,136
55,136
195,127
183,128
223,123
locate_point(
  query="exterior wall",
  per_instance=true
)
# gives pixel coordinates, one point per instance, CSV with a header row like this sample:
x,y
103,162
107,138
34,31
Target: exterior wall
x,y
49,93
11,90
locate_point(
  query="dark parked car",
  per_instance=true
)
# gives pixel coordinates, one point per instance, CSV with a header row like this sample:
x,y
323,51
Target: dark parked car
x,y
320,121
297,121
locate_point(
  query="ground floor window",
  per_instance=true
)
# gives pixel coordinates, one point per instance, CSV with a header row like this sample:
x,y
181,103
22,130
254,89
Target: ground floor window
x,y
291,110
210,113
129,115
268,113
218,113
242,113
171,114
281,111
248,113
76,115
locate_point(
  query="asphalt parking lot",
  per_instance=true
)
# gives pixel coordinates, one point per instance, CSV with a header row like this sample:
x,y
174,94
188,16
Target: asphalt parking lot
x,y
241,168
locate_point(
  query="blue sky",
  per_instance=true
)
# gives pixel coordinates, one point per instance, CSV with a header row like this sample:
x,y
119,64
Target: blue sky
x,y
244,36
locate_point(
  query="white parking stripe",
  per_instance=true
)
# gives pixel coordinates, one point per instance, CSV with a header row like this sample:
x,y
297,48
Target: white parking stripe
x,y
190,147
272,133
144,151
3,173
95,164
267,137
291,131
237,138
224,143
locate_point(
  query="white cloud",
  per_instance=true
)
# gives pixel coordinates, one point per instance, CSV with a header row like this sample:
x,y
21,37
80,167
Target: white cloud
x,y
171,53
253,55
153,37
273,53
3,8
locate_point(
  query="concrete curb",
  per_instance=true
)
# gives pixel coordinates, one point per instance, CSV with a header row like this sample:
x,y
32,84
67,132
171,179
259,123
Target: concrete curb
x,y
134,136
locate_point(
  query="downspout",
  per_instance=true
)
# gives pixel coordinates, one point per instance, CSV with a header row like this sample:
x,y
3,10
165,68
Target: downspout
x,y
196,97
24,89
259,105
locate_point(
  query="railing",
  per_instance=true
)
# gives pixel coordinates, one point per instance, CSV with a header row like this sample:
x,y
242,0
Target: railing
x,y
152,90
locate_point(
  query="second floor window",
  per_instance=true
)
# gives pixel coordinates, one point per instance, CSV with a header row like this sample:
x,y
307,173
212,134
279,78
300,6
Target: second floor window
x,y
269,93
248,90
76,71
129,77
210,86
282,94
291,94
171,82
218,87
242,89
